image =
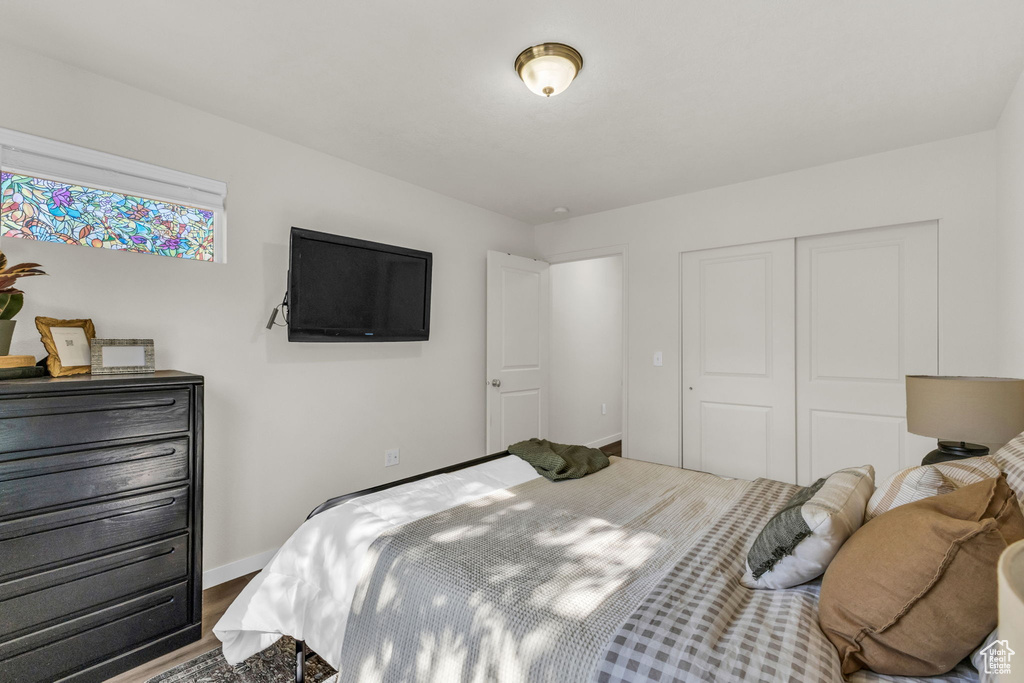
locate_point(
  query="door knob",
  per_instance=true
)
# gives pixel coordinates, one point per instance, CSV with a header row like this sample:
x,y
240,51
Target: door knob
x,y
495,382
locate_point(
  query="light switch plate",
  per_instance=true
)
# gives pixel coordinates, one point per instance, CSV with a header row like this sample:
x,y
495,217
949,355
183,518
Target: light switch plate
x,y
657,359
391,457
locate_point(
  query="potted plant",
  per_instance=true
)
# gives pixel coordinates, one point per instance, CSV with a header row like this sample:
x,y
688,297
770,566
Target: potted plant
x,y
11,299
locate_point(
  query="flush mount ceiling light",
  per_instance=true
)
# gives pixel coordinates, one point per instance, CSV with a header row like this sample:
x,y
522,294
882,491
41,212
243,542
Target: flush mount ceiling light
x,y
549,68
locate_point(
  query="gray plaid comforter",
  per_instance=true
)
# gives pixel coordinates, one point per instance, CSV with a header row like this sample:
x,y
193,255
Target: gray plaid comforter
x,y
700,624
533,586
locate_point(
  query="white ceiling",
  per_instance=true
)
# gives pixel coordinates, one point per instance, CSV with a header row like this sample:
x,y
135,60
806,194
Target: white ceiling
x,y
674,96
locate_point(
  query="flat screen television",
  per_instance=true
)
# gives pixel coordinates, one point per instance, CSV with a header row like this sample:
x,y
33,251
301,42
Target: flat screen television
x,y
341,289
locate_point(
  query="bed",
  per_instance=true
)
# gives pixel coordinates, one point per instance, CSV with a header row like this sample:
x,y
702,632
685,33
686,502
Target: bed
x,y
492,573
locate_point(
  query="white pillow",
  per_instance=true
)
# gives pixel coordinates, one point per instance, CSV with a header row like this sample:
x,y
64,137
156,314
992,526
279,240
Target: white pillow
x,y
918,483
797,544
979,661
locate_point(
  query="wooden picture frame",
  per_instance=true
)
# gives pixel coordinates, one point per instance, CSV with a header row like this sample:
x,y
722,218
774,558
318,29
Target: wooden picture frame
x,y
132,356
47,326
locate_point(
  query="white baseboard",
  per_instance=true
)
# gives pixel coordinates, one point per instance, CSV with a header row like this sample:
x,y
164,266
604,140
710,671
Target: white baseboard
x,y
233,570
605,441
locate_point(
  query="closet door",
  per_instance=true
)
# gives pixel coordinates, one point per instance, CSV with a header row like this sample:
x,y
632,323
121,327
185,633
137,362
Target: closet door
x,y
738,353
867,315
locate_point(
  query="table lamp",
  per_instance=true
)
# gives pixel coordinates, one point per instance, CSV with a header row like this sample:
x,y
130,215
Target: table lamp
x,y
964,413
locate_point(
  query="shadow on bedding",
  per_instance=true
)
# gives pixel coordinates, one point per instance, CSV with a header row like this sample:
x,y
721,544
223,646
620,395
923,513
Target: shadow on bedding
x,y
512,587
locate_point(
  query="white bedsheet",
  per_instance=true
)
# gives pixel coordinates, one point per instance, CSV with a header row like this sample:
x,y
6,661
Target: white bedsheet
x,y
306,590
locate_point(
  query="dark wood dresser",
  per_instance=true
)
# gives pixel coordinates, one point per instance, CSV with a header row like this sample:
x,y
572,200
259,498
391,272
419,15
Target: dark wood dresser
x,y
100,523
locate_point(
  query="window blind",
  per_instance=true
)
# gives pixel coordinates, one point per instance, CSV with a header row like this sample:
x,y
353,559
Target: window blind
x,y
42,158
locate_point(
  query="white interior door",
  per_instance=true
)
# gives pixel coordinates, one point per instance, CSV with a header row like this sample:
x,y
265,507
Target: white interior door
x,y
867,315
738,354
517,349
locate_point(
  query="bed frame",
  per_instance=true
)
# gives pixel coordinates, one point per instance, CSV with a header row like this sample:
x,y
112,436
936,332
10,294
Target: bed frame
x,y
302,653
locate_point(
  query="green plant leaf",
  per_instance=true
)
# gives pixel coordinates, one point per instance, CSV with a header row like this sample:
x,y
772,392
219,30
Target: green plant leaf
x,y
10,304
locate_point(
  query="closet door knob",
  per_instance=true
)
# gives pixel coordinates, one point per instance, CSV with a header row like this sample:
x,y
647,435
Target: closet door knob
x,y
495,382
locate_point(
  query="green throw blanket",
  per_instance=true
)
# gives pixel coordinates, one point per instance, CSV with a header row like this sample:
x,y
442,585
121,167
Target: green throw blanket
x,y
559,461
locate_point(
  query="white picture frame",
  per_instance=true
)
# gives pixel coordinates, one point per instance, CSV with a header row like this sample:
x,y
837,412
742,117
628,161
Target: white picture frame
x,y
122,356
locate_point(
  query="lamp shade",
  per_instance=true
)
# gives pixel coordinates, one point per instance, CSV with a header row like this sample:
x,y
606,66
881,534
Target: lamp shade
x,y
984,410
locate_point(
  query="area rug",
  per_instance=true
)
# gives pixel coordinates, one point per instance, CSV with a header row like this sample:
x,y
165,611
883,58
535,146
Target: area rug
x,y
276,664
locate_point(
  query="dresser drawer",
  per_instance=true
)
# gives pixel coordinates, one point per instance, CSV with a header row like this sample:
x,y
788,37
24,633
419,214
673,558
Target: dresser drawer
x,y
49,421
48,598
53,653
45,539
42,482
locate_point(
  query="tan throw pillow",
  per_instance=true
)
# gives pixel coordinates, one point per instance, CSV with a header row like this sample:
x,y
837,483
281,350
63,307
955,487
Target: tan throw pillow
x,y
914,591
918,483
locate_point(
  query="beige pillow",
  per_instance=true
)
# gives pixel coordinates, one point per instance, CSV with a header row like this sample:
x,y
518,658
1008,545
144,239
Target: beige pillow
x,y
914,591
918,483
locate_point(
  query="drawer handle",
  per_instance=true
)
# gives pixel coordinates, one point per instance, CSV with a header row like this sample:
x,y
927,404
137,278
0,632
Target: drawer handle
x,y
75,409
72,576
155,505
89,519
142,609
43,471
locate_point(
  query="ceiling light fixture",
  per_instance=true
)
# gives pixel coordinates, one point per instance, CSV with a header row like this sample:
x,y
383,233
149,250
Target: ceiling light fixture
x,y
549,68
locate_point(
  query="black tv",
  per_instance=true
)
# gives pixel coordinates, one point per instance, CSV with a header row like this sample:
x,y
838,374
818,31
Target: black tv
x,y
342,289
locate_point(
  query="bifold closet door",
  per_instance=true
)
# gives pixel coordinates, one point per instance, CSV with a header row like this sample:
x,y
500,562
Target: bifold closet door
x,y
737,361
867,315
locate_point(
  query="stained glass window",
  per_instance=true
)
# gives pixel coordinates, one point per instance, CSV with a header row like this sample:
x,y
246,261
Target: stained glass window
x,y
51,211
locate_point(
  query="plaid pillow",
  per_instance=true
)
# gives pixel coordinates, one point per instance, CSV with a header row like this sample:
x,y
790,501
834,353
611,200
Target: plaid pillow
x,y
918,483
1010,459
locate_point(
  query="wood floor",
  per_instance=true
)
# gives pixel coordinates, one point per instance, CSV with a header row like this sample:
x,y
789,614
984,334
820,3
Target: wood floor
x,y
614,448
215,603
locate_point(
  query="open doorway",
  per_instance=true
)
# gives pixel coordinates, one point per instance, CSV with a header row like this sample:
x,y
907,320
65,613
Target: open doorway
x,y
587,350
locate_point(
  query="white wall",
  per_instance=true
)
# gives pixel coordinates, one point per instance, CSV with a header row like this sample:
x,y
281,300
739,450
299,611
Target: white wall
x,y
952,181
287,425
586,351
1010,141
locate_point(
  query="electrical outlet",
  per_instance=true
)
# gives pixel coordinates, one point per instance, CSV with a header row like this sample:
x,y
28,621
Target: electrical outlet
x,y
391,457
